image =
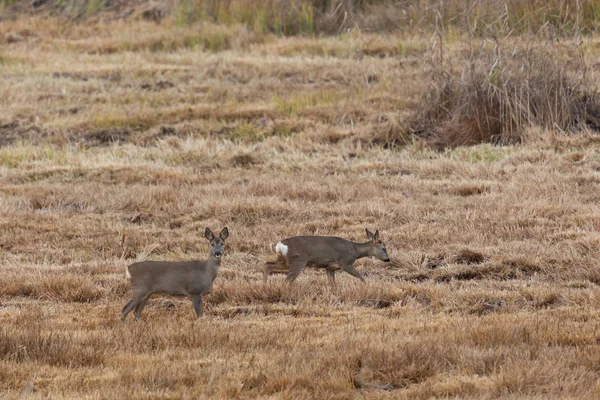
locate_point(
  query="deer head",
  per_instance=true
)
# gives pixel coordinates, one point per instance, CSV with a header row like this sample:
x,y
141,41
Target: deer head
x,y
217,243
378,250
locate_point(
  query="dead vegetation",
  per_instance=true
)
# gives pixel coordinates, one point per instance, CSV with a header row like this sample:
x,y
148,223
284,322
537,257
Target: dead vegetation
x,y
496,98
108,157
332,17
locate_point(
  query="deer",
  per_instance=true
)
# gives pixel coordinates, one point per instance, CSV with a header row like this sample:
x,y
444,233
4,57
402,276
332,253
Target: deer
x,y
328,252
177,278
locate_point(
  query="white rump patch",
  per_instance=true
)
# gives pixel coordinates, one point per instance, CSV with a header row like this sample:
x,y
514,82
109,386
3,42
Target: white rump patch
x,y
281,248
127,274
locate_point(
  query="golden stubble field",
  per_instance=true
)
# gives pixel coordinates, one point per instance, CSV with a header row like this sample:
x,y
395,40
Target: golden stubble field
x,y
123,141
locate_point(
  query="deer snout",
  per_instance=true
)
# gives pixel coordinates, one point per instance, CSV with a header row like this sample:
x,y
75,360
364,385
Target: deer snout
x,y
218,254
384,257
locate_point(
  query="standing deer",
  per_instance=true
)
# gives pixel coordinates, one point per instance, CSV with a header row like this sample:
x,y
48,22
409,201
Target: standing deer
x,y
183,278
328,252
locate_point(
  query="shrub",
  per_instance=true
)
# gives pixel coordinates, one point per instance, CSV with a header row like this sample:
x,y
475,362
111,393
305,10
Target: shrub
x,y
494,99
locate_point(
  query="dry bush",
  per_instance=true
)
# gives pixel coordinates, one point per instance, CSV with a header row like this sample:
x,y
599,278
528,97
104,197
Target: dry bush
x,y
468,256
388,131
291,17
470,189
487,18
244,160
496,99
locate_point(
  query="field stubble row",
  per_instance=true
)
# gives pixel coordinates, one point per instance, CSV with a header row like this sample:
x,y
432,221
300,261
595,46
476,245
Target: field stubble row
x,y
115,152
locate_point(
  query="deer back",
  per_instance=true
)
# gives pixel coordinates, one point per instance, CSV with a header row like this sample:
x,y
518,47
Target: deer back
x,y
319,249
180,277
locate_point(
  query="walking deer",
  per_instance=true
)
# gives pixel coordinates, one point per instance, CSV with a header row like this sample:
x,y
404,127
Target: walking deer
x,y
184,278
327,252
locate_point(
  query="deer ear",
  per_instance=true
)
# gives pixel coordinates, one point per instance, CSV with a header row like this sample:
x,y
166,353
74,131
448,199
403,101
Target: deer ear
x,y
224,233
369,234
376,236
208,234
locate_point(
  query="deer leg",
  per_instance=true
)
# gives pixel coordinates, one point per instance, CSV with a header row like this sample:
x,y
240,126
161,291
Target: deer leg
x,y
331,277
137,298
349,268
197,302
126,309
278,266
270,267
137,313
266,270
295,268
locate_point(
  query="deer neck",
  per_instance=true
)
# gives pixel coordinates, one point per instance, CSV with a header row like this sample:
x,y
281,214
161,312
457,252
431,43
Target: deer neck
x,y
213,263
363,249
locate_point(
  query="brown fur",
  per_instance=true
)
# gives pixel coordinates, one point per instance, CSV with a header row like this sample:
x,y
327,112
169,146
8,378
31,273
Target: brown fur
x,y
183,278
328,252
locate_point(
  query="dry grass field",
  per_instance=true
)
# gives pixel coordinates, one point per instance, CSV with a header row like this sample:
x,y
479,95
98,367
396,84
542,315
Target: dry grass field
x,y
122,140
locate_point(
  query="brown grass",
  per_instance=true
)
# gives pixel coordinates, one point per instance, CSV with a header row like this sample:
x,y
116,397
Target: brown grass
x,y
307,17
495,99
492,291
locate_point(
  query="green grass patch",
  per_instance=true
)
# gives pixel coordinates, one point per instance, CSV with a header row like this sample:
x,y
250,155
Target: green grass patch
x,y
262,16
208,37
485,153
7,61
294,104
21,153
190,158
105,121
94,6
